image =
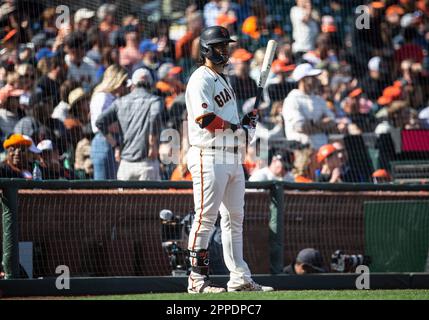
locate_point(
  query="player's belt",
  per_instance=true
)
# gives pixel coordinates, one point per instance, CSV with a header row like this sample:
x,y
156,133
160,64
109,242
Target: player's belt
x,y
226,149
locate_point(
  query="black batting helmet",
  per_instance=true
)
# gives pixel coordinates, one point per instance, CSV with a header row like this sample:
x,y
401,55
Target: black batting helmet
x,y
211,36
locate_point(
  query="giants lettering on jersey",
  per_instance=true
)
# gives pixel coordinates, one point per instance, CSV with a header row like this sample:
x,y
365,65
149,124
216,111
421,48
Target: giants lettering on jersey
x,y
222,98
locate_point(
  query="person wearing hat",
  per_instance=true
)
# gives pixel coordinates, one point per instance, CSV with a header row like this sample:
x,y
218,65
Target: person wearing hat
x,y
169,85
381,176
280,86
358,110
279,169
374,81
83,19
111,87
106,15
49,159
308,260
306,116
244,86
18,158
139,117
79,106
149,58
333,162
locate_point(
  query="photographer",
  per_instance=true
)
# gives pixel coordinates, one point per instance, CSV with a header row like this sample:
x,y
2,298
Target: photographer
x,y
308,260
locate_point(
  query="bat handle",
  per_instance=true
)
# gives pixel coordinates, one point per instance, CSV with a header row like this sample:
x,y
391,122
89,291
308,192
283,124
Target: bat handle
x,y
258,98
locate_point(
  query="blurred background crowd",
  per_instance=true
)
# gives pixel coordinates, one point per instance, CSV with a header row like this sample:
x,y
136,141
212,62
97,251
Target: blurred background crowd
x,y
347,97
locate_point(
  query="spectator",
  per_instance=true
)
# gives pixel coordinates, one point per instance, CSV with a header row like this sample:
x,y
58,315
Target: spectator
x,y
149,60
83,20
169,85
399,117
423,116
368,42
48,86
375,81
161,37
61,111
83,165
212,10
9,106
358,110
381,176
79,108
280,86
305,28
279,168
49,16
260,26
109,56
184,45
308,260
393,19
256,64
26,82
80,69
106,14
307,117
102,153
18,159
129,55
244,86
410,83
409,50
50,161
332,160
138,114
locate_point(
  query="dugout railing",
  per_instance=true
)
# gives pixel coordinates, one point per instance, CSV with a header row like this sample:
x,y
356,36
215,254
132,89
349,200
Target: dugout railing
x,y
391,222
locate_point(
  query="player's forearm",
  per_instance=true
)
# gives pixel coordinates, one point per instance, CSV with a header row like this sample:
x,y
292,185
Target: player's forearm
x,y
212,122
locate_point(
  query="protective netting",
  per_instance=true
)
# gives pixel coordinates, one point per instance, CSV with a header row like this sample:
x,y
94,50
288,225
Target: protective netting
x,y
144,232
121,233
388,227
64,62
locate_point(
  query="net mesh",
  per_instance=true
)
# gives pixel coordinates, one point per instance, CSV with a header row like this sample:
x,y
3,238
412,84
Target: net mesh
x,y
120,232
54,57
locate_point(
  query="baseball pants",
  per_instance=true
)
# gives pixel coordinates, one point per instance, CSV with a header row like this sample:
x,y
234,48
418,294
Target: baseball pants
x,y
218,188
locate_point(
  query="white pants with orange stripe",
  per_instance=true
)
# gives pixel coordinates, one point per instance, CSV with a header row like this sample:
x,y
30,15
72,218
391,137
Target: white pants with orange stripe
x,y
218,187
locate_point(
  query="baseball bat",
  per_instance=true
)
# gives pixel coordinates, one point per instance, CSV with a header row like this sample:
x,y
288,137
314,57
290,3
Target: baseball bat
x,y
265,70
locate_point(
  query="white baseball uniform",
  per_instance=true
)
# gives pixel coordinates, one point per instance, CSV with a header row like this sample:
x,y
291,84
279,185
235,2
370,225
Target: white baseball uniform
x,y
216,186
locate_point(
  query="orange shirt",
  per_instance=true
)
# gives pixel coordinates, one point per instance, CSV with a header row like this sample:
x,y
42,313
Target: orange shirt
x,y
177,175
184,45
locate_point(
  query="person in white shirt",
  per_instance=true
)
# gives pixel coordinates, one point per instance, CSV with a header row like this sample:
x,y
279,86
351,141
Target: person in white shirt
x,y
278,169
211,11
307,117
102,152
305,28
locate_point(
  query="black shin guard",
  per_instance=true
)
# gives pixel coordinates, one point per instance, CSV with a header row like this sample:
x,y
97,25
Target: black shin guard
x,y
200,261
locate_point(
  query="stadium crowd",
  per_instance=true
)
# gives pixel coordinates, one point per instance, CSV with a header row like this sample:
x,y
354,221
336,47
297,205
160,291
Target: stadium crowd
x,y
88,98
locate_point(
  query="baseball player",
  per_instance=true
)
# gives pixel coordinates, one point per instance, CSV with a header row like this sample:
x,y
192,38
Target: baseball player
x,y
217,186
